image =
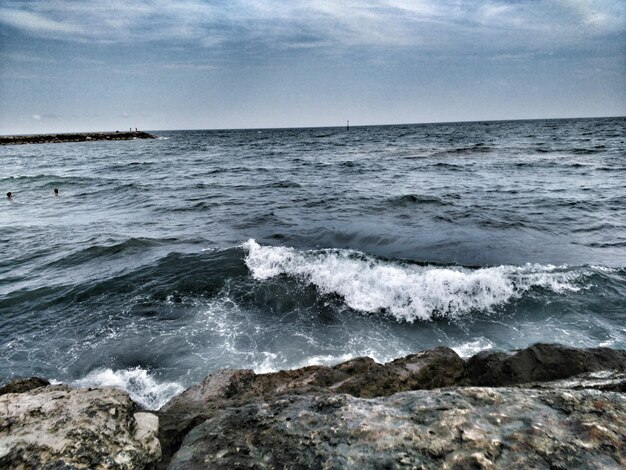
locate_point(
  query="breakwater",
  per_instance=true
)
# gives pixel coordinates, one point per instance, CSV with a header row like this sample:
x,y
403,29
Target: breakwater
x,y
546,406
75,137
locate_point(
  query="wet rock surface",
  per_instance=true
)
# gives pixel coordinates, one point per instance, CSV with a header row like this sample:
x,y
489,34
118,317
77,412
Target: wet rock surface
x,y
364,378
23,385
461,428
540,362
59,427
547,406
360,377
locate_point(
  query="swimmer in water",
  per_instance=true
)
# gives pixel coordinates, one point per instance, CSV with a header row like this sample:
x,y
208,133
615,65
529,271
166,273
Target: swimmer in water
x,y
9,195
56,191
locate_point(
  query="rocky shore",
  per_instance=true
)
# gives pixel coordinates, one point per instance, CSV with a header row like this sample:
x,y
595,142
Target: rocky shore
x,y
547,406
76,137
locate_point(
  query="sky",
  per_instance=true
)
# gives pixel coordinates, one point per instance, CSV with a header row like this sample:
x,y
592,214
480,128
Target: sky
x,y
79,65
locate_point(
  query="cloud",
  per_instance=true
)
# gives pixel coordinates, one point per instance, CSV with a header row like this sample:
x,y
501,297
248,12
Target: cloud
x,y
189,66
20,57
599,15
39,117
256,28
37,24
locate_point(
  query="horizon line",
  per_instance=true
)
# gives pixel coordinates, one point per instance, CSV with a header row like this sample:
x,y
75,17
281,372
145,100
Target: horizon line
x,y
327,126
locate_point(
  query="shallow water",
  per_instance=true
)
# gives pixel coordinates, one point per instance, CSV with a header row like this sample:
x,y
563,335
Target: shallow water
x,y
164,260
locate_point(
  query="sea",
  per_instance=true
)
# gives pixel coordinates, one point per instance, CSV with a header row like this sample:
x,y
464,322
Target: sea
x,y
161,261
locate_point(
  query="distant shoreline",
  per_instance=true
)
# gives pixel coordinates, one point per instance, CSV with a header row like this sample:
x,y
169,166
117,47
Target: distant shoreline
x,y
73,137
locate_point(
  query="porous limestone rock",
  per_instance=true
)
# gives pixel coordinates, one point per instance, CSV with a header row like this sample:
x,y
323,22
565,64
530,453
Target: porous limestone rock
x,y
459,428
23,385
553,407
360,377
60,427
540,362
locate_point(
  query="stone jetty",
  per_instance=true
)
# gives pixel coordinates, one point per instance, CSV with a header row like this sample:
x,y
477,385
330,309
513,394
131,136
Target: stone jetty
x,y
547,406
76,137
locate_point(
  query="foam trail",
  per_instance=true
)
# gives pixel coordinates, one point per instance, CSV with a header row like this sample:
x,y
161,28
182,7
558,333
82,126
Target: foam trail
x,y
141,386
407,292
270,363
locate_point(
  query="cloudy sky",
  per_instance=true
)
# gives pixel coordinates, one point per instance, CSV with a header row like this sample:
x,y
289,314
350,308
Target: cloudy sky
x,y
159,64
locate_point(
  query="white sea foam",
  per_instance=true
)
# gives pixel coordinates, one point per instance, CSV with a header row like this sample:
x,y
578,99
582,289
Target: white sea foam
x,y
274,362
266,364
407,292
139,384
473,347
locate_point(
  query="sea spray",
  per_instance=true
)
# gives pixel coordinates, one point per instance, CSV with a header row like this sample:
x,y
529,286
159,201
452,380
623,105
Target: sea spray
x,y
140,385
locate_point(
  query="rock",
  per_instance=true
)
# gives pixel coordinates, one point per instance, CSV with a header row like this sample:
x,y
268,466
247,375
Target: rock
x,y
434,368
364,378
23,385
75,137
60,427
540,362
413,412
361,377
444,428
222,385
189,409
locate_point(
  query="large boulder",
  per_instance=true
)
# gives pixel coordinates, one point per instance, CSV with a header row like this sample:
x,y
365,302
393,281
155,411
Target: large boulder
x,y
356,414
23,385
540,362
59,427
192,407
360,377
364,378
458,428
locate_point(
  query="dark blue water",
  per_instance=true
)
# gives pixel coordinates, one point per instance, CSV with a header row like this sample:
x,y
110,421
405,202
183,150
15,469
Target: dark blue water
x,y
163,260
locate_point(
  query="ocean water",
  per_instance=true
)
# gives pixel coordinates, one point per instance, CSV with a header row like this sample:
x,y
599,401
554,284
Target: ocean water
x,y
161,261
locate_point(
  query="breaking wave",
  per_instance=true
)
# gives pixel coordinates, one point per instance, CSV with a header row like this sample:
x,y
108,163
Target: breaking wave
x,y
407,292
137,382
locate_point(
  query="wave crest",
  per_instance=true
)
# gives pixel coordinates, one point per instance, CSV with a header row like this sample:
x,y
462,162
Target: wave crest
x,y
406,292
137,382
